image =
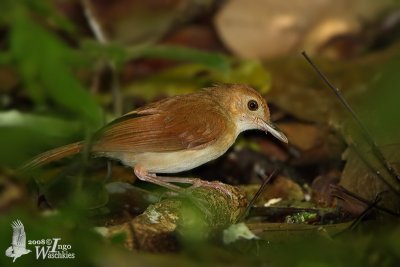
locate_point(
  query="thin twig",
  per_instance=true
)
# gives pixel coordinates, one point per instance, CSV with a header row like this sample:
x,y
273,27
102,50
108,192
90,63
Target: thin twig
x,y
373,170
115,89
266,181
93,23
357,221
98,32
368,137
344,191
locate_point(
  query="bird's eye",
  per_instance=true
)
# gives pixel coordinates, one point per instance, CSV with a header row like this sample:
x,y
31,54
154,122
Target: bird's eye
x,y
252,105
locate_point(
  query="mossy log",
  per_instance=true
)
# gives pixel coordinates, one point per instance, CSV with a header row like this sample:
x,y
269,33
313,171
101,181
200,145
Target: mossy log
x,y
194,214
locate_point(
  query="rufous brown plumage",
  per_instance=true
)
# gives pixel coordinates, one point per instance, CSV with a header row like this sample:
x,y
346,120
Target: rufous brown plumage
x,y
176,134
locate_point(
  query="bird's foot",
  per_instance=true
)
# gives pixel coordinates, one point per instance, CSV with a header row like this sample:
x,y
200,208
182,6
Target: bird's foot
x,y
166,182
144,175
221,187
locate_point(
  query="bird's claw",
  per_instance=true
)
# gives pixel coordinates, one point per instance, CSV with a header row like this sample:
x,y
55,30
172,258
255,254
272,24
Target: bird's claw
x,y
221,187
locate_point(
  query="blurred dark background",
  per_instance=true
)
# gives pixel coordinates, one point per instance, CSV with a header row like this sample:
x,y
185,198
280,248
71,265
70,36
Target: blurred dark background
x,y
69,67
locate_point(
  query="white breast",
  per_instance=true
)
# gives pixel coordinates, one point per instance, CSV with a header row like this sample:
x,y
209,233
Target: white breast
x,y
172,162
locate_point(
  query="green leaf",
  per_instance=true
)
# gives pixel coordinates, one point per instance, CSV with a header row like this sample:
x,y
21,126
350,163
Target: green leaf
x,y
119,54
24,135
236,232
377,108
178,53
191,77
43,61
379,104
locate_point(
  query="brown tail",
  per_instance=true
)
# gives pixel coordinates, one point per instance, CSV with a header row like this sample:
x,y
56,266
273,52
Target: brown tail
x,y
53,155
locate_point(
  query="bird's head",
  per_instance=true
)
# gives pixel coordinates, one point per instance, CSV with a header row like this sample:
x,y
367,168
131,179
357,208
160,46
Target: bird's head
x,y
247,108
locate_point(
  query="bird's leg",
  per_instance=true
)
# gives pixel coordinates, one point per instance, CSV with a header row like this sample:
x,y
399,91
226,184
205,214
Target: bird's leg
x,y
144,175
200,203
165,181
196,182
179,180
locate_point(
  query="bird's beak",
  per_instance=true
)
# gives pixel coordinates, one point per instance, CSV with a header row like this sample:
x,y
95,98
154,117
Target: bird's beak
x,y
269,127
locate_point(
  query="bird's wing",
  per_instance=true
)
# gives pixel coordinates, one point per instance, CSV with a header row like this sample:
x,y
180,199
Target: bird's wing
x,y
19,236
9,252
173,124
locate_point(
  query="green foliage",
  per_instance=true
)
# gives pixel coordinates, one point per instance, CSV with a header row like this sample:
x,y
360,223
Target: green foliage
x,y
379,105
120,55
69,224
368,245
63,110
45,66
23,134
301,217
45,69
236,232
191,77
212,60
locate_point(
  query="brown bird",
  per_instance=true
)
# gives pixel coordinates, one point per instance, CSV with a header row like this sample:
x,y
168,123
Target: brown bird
x,y
177,133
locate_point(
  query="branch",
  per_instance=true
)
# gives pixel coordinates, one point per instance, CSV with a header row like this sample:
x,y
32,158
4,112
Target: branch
x,y
196,214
